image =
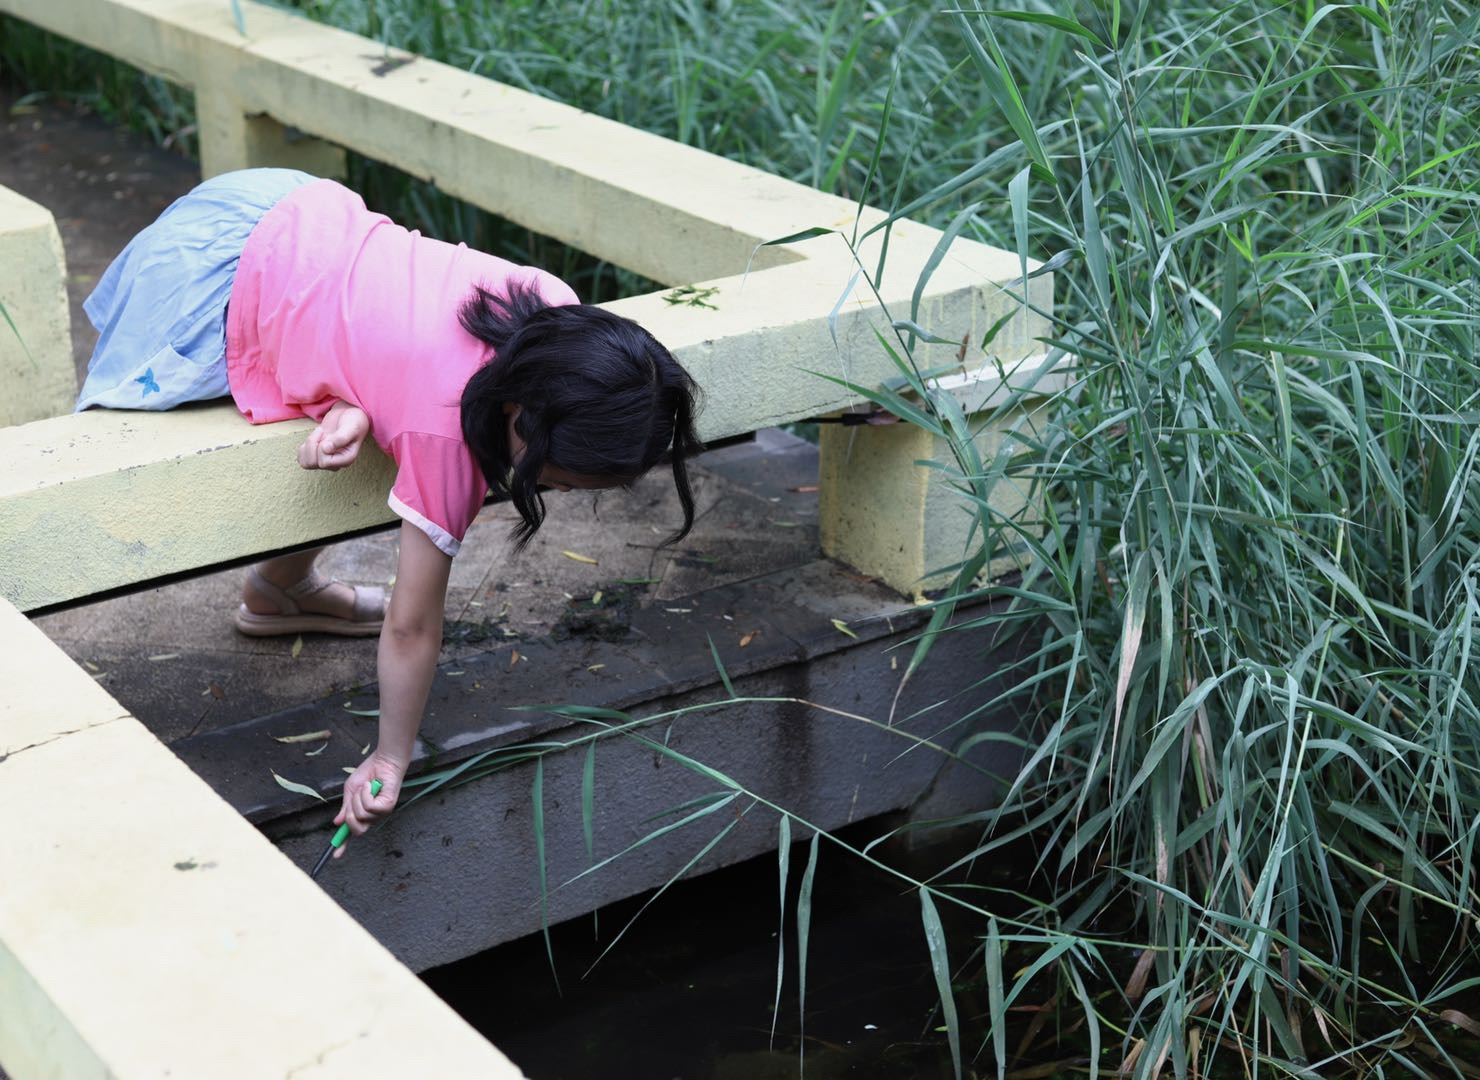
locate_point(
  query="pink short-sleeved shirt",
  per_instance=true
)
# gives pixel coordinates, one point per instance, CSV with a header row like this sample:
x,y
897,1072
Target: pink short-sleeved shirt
x,y
334,303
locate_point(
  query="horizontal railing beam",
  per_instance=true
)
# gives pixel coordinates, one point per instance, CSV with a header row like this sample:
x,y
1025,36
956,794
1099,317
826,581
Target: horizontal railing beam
x,y
672,212
669,211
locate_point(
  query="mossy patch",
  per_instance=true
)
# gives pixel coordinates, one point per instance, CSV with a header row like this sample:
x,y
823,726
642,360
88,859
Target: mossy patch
x,y
476,631
605,615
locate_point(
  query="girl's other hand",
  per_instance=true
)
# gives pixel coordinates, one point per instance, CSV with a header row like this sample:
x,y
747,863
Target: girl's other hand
x,y
360,809
335,443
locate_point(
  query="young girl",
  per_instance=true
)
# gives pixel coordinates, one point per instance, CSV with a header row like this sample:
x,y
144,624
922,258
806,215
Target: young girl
x,y
472,373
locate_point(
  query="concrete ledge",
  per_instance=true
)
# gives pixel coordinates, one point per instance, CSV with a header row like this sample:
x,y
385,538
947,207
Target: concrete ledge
x,y
130,888
930,519
102,499
102,943
35,355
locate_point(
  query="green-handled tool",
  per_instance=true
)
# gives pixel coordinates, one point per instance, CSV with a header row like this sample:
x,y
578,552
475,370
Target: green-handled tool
x,y
341,834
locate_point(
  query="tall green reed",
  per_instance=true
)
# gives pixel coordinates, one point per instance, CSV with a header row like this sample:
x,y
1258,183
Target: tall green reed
x,y
21,341
1249,612
1256,590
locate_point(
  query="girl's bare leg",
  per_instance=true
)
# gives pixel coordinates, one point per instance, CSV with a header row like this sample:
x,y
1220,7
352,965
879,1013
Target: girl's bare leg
x,y
288,570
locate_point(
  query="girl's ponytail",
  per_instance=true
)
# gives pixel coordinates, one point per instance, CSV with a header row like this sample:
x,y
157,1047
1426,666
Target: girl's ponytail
x,y
495,319
685,444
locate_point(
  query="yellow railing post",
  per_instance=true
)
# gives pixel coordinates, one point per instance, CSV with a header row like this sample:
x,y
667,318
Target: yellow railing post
x,y
231,139
35,330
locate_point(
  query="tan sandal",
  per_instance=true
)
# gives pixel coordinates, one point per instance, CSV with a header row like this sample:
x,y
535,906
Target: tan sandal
x,y
367,619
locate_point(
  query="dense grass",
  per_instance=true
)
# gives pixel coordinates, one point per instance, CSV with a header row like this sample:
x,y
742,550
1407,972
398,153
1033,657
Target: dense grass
x,y
1249,620
1255,599
1252,766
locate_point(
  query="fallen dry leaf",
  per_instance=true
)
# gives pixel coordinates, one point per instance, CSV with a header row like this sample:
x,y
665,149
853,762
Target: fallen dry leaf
x,y
316,753
577,557
215,691
596,667
307,736
1136,985
1320,1018
296,788
165,656
297,646
514,658
748,638
1460,1020
804,489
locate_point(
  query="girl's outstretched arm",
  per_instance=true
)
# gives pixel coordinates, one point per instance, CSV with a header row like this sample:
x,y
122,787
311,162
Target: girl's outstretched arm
x,y
409,646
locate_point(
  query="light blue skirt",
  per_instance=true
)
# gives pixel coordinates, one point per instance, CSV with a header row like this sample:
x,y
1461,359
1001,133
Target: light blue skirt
x,y
160,307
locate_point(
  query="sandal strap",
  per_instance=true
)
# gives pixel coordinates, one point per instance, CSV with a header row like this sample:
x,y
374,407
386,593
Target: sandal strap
x,y
369,603
314,583
281,598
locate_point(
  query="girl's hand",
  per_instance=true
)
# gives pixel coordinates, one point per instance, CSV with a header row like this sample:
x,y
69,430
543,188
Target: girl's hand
x,y
335,443
359,809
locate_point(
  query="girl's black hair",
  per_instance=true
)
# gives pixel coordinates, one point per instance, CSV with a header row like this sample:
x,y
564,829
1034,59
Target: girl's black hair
x,y
599,397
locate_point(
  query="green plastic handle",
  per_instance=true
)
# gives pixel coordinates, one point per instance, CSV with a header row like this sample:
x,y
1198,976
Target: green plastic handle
x,y
342,833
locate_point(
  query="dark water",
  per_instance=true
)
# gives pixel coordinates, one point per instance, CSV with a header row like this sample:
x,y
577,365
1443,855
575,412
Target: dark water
x,y
687,994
